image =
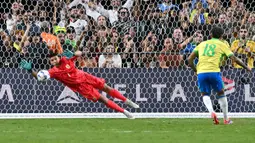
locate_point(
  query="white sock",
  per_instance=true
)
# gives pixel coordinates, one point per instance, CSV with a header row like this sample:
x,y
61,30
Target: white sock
x,y
224,106
208,103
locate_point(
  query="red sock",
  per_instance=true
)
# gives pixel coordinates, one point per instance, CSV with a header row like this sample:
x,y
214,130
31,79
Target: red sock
x,y
116,94
114,106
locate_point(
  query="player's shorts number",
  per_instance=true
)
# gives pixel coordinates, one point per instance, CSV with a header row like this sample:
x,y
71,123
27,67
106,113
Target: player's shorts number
x,y
209,50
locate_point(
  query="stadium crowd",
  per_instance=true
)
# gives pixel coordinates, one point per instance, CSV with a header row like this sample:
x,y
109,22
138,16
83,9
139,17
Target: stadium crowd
x,y
122,34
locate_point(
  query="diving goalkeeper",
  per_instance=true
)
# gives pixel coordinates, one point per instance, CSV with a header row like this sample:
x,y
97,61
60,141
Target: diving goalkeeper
x,y
64,70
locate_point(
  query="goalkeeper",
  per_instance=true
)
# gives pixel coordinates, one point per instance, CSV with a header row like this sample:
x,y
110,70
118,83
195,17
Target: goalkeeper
x,y
209,55
64,70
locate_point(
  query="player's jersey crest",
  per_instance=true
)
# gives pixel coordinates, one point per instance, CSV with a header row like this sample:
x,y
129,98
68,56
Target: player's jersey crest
x,y
68,66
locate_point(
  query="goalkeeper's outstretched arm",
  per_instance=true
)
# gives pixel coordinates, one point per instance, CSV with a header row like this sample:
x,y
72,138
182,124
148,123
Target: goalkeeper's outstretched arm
x,y
78,53
34,74
27,65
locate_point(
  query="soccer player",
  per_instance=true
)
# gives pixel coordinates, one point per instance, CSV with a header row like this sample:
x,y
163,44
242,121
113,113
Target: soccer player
x,y
64,70
209,54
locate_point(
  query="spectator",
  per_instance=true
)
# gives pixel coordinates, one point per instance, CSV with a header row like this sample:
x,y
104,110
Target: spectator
x,y
186,27
28,18
115,40
76,21
178,36
70,37
15,16
89,11
89,61
102,38
20,40
199,15
244,48
112,14
250,23
13,46
166,6
173,18
215,8
151,41
91,43
149,46
124,24
203,3
110,59
8,55
149,59
168,57
60,32
229,27
128,52
230,15
184,12
162,23
101,21
43,15
37,52
52,41
240,10
196,39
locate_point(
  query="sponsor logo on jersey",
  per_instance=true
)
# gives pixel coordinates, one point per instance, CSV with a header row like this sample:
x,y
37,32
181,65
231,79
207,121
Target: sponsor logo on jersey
x,y
67,66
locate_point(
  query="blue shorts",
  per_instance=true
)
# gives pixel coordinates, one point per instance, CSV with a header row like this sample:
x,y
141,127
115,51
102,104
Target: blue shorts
x,y
209,81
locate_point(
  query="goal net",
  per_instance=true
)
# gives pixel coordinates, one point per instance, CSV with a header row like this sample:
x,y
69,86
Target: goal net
x,y
140,47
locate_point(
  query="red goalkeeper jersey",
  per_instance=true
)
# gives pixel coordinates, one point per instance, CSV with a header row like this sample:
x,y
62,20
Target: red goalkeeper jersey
x,y
67,73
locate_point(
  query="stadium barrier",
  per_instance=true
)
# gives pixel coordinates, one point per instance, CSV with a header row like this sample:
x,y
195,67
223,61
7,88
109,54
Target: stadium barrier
x,y
161,93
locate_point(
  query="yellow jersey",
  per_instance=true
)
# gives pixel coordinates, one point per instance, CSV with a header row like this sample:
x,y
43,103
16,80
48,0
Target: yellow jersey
x,y
242,54
210,54
224,59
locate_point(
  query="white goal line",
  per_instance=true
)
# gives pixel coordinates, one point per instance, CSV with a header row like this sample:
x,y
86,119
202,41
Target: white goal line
x,y
117,115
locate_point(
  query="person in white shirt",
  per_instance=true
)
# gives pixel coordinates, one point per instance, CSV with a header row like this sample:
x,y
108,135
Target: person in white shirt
x,y
76,22
113,13
110,59
101,21
90,12
15,17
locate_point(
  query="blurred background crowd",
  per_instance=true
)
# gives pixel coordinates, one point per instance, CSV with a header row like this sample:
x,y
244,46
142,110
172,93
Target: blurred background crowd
x,y
122,33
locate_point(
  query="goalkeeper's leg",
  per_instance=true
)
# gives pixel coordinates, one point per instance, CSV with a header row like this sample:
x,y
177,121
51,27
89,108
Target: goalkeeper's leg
x,y
109,103
91,93
116,94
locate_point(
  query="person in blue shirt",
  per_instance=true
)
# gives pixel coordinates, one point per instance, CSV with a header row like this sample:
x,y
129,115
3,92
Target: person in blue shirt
x,y
194,2
167,5
197,38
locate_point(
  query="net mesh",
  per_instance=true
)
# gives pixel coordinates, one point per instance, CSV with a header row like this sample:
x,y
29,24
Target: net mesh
x,y
139,46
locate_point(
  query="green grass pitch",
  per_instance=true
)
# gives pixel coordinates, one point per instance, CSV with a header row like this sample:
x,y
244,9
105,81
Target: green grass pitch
x,y
125,131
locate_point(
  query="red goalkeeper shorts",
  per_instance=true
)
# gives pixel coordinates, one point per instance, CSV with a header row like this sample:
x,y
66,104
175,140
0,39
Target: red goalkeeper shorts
x,y
89,88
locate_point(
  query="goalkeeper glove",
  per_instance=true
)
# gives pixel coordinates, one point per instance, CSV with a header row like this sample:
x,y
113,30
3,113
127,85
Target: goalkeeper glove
x,y
67,53
26,65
